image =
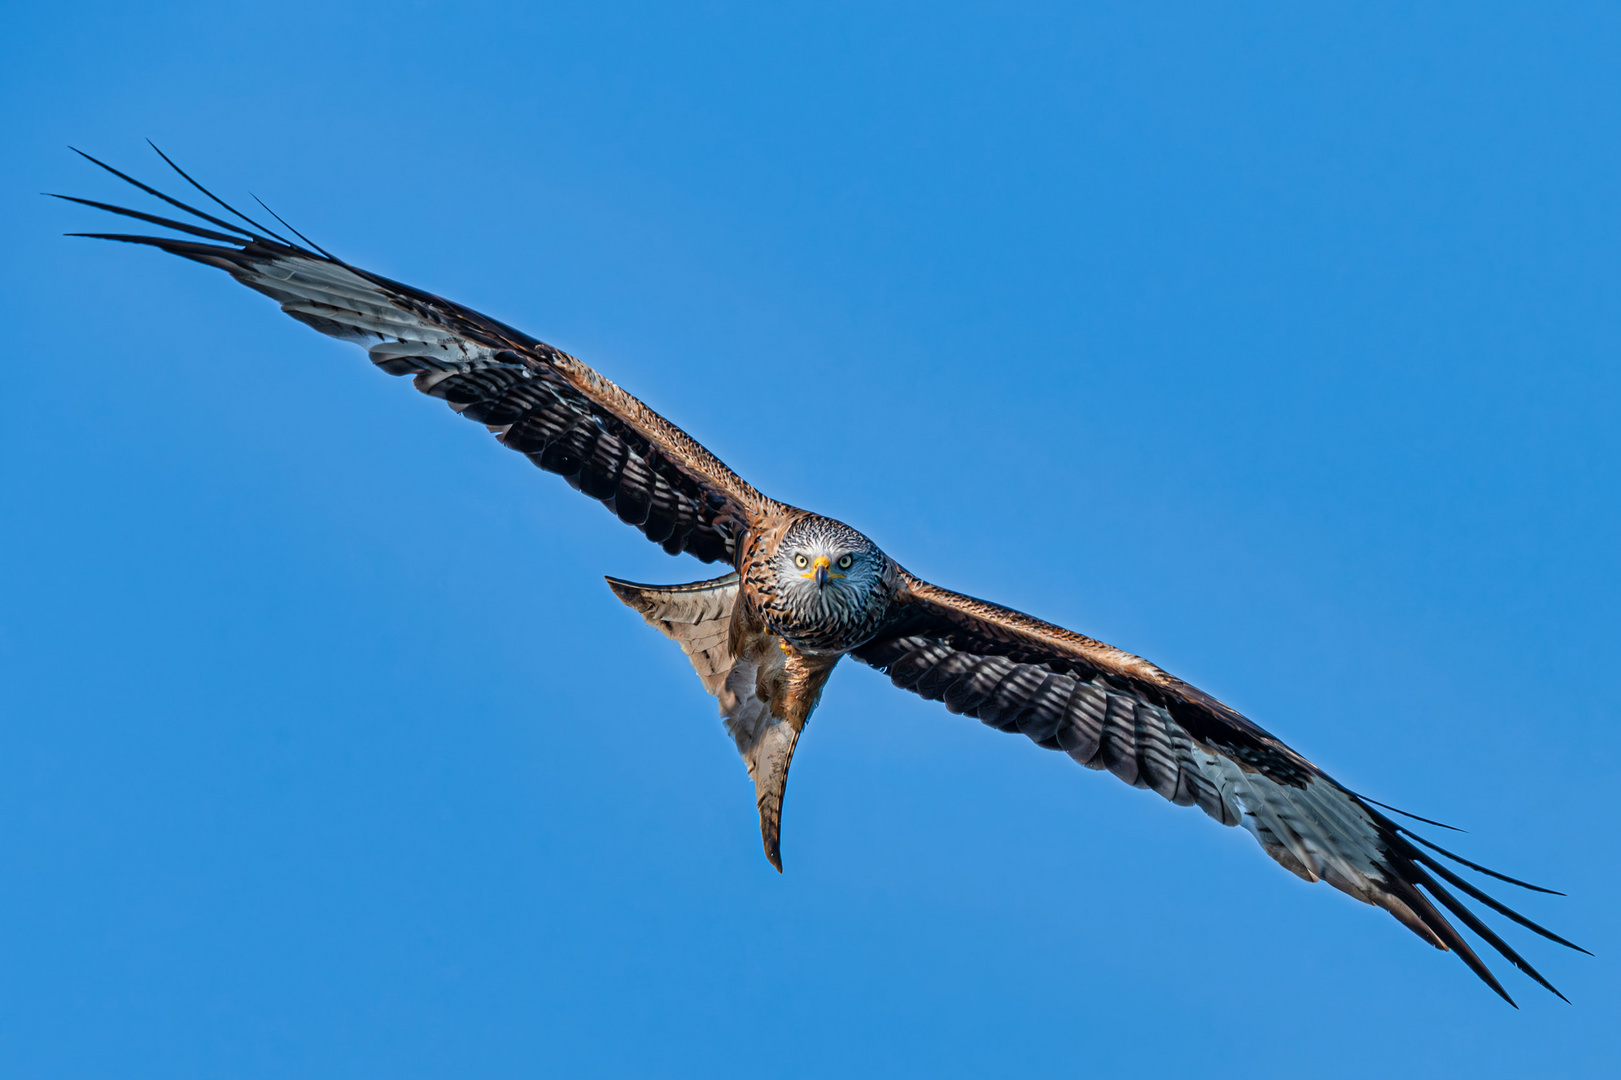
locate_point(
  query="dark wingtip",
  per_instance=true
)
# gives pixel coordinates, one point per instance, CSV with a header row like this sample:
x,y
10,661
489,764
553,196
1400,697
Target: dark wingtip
x,y
1405,814
1476,866
154,219
227,207
1481,930
150,241
176,203
1493,903
290,229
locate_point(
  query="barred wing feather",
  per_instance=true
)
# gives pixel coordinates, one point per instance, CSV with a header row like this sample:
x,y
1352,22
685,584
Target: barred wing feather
x,y
535,398
1110,710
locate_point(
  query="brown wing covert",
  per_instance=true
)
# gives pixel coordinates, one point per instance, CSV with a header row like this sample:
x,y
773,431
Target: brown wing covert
x,y
1110,710
567,418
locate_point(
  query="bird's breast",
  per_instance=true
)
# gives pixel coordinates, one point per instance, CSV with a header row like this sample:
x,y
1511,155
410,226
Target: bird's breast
x,y
813,621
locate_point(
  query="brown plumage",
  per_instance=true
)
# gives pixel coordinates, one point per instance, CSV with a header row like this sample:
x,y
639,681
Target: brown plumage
x,y
805,591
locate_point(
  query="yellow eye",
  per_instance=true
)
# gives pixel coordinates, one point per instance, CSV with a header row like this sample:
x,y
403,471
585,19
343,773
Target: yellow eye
x,y
801,562
844,563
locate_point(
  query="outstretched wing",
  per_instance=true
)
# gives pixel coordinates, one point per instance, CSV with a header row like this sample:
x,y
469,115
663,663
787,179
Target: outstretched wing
x,y
1111,710
537,399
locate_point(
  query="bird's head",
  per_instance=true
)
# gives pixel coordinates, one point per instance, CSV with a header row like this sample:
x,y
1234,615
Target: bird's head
x,y
824,567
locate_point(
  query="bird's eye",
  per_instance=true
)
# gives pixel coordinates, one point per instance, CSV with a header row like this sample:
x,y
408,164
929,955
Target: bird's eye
x,y
845,561
801,562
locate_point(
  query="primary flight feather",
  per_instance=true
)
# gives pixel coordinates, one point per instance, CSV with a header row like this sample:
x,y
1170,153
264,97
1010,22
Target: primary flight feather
x,y
803,591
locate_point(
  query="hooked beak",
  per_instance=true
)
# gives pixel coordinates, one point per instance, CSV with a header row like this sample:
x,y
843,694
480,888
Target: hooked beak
x,y
820,572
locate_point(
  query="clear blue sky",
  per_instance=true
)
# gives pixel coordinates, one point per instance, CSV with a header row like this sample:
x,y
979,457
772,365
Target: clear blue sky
x,y
1279,346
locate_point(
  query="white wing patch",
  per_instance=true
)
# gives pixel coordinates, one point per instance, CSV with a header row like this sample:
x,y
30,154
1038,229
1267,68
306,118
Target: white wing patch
x,y
342,304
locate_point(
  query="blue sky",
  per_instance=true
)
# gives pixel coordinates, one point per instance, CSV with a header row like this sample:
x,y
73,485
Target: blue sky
x,y
1278,346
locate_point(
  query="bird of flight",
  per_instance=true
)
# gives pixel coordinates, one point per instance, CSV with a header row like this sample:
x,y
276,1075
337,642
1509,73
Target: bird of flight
x,y
802,591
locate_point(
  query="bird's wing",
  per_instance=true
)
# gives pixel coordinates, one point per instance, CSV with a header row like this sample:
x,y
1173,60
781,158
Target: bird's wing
x,y
537,399
1111,710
